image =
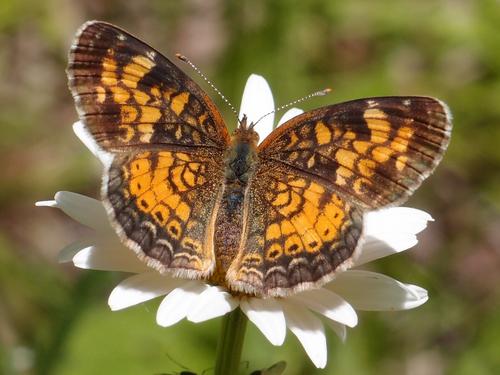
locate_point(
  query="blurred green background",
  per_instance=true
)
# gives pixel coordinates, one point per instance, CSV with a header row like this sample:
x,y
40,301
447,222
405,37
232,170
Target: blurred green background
x,y
54,318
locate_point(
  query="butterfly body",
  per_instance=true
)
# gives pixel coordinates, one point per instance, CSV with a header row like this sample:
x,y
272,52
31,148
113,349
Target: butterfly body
x,y
240,165
266,219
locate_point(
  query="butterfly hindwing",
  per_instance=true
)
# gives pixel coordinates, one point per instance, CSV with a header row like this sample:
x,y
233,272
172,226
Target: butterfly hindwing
x,y
128,94
375,151
298,232
164,205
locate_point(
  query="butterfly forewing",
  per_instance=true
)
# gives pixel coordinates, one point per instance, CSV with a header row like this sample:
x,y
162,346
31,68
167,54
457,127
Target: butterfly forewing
x,y
375,151
128,94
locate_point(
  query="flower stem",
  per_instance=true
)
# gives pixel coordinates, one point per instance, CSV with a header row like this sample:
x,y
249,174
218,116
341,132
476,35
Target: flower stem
x,y
230,343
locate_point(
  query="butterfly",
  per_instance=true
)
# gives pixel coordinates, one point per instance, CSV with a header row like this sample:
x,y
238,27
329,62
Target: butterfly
x,y
268,219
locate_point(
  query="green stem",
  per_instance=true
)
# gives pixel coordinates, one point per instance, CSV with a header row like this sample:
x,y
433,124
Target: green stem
x,y
230,343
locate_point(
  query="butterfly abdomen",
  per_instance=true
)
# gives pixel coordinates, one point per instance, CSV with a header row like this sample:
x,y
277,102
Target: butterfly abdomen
x,y
239,167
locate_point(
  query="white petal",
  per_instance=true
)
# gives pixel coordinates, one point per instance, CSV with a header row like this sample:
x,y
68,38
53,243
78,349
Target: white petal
x,y
309,330
328,304
338,328
46,204
140,288
291,113
83,134
389,231
179,303
258,100
418,296
86,210
68,252
373,291
212,303
399,219
268,316
375,248
113,258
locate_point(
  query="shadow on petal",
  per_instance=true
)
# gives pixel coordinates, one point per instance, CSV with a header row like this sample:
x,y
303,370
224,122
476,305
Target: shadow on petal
x,y
309,330
268,317
212,303
179,303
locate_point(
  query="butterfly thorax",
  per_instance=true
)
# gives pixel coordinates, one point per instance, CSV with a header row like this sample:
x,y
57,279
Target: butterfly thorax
x,y
241,155
240,164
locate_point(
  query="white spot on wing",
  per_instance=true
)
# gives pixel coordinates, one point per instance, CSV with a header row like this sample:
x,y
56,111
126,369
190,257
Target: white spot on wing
x,y
406,102
121,36
151,54
150,226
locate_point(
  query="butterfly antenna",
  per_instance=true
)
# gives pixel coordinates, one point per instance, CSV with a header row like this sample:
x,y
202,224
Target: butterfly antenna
x,y
300,100
197,70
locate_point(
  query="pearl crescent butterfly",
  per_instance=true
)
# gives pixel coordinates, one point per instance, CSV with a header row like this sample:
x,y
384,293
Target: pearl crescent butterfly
x,y
268,219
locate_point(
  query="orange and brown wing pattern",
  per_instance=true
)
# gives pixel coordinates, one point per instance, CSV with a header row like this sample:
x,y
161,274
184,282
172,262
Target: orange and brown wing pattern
x,y
374,152
128,94
164,204
167,140
297,233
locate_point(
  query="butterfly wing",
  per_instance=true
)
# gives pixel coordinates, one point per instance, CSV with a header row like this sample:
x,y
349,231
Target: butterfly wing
x,y
128,94
375,151
296,234
164,204
316,176
166,141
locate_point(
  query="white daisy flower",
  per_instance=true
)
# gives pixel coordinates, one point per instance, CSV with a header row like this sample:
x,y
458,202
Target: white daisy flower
x,y
387,231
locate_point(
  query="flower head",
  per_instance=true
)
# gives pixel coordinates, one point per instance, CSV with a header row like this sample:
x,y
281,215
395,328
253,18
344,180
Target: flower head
x,y
305,314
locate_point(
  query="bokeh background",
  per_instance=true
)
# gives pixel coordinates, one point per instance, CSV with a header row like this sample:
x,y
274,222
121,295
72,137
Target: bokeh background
x,y
54,318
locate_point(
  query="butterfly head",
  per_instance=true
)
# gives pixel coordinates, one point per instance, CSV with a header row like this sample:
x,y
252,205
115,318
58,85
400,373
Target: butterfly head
x,y
245,133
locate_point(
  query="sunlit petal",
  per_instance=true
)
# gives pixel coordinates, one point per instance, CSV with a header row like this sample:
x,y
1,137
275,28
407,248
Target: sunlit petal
x,y
140,288
291,113
268,317
390,231
373,291
398,219
257,101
